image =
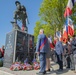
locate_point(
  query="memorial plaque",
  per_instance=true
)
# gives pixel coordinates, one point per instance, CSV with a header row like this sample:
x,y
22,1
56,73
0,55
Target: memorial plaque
x,y
21,46
30,47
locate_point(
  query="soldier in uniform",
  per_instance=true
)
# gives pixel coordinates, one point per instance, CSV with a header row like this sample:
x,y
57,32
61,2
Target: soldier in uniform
x,y
20,14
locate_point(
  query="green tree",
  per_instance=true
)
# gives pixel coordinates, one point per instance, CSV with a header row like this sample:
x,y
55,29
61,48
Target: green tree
x,y
47,29
52,16
36,30
51,11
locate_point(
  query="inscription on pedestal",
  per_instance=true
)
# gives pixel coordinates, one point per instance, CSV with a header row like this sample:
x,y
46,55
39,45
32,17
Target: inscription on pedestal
x,y
9,49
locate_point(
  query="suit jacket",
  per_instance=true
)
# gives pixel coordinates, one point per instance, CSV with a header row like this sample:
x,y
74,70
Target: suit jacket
x,y
42,44
59,48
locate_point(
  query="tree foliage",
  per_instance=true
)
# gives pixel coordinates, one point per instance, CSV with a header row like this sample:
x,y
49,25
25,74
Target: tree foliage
x,y
52,16
36,30
52,12
47,29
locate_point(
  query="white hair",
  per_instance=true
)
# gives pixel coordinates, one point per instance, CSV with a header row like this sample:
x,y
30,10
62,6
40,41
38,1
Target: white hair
x,y
41,30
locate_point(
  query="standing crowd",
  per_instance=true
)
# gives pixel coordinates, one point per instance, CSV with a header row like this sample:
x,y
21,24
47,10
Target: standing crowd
x,y
65,53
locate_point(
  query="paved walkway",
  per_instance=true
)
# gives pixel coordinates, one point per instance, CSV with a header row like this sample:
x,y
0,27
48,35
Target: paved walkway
x,y
7,71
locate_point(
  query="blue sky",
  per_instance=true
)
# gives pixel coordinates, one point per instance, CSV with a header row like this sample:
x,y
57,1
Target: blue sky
x,y
7,8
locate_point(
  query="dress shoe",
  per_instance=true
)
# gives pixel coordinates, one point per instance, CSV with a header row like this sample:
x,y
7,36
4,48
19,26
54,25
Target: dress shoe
x,y
72,69
48,71
68,67
59,70
44,72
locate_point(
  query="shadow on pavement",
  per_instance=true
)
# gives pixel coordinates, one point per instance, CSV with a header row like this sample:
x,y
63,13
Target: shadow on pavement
x,y
62,72
57,72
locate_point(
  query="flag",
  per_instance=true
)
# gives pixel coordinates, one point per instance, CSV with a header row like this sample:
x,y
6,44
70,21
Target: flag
x,y
61,37
70,27
58,34
65,31
68,10
51,43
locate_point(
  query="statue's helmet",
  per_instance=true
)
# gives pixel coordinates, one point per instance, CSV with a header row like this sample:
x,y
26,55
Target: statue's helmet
x,y
17,2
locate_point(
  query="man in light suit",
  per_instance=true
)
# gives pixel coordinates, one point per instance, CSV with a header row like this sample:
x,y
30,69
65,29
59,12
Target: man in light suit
x,y
41,49
59,53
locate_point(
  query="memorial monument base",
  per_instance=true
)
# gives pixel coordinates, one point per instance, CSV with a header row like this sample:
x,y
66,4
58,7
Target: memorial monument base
x,y
17,47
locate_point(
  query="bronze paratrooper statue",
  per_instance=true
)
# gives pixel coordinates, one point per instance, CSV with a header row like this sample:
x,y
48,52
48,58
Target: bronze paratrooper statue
x,y
21,15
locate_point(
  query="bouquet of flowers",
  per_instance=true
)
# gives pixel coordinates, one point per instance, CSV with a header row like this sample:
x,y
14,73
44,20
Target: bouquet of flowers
x,y
16,66
26,65
36,65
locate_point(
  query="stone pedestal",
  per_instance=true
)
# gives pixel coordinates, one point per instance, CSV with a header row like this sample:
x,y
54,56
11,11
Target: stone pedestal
x,y
17,47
